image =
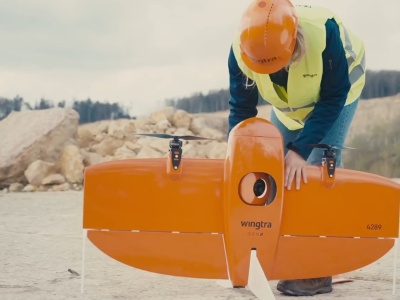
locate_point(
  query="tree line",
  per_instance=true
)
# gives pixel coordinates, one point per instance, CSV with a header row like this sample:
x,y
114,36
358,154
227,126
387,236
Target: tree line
x,y
88,110
378,84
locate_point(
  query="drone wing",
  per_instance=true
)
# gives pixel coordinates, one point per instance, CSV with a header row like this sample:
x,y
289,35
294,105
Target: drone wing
x,y
140,215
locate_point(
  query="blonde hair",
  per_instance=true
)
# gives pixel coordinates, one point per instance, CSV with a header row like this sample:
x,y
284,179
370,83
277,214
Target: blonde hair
x,y
299,48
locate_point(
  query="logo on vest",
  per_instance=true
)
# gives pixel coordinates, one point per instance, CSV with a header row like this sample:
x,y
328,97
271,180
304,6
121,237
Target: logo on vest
x,y
309,75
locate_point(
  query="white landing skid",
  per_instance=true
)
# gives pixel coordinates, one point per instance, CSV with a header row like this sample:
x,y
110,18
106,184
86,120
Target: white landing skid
x,y
257,283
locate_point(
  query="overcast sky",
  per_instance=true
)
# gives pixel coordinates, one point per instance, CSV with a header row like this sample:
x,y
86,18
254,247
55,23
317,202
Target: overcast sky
x,y
139,53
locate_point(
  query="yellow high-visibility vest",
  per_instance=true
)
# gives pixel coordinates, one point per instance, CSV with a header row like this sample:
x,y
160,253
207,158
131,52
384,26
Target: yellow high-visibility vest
x,y
292,107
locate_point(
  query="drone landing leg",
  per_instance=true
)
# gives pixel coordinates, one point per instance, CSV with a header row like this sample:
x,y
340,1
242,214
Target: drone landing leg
x,y
258,283
396,249
84,236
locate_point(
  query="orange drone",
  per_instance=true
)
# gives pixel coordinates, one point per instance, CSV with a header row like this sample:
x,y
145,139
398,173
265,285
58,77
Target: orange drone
x,y
203,218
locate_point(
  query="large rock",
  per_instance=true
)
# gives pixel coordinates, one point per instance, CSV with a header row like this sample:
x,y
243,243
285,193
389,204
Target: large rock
x,y
124,153
71,163
107,146
53,179
181,119
121,129
214,122
148,152
166,113
85,137
27,136
91,158
39,170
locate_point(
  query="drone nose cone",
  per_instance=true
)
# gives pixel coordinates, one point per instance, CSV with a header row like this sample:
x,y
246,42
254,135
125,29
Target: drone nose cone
x,y
256,127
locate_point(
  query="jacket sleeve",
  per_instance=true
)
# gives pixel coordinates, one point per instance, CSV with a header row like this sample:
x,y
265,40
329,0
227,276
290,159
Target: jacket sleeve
x,y
335,86
243,99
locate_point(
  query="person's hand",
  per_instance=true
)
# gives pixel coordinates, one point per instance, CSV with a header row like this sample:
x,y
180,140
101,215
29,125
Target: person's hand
x,y
295,169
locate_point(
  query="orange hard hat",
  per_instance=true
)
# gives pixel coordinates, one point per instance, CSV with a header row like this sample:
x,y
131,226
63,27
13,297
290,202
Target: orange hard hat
x,y
268,32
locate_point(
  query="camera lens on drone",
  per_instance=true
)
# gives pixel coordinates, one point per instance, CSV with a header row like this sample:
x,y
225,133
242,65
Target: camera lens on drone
x,y
259,187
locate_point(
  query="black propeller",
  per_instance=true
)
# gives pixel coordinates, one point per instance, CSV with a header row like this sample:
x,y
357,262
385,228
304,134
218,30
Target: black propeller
x,y
329,147
329,156
175,137
175,144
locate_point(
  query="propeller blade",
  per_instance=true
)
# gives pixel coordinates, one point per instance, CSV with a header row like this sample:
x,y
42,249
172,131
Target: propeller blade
x,y
193,138
179,137
345,147
158,135
326,146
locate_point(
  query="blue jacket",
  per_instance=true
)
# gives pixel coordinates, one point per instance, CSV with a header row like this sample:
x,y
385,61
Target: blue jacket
x,y
335,86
